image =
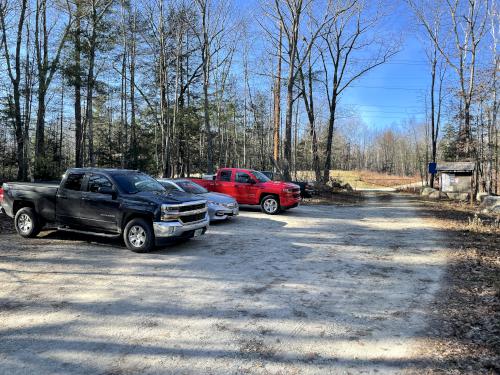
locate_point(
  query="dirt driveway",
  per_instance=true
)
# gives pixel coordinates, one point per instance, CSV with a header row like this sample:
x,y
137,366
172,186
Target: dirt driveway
x,y
320,289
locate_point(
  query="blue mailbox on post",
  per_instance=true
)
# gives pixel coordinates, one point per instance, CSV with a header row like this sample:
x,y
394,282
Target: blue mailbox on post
x,y
432,168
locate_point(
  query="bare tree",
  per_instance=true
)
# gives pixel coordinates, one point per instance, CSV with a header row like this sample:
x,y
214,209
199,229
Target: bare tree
x,y
133,106
438,71
467,29
290,14
352,31
47,67
77,84
14,73
493,127
307,94
98,9
277,102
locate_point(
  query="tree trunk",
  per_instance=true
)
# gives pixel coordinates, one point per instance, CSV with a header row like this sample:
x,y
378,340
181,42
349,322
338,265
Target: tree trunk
x,y
40,132
15,79
277,105
329,138
433,117
206,83
89,117
78,90
133,124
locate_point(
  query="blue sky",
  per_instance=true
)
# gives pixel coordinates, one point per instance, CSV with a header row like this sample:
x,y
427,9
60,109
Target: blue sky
x,y
392,92
396,90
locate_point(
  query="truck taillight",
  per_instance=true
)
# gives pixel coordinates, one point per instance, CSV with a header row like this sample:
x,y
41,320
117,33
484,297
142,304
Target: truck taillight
x,y
1,195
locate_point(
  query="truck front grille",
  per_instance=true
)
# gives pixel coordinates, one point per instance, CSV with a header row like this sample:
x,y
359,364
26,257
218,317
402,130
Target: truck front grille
x,y
193,218
192,207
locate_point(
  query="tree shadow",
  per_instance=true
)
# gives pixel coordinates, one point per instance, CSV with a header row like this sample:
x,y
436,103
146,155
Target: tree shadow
x,y
263,283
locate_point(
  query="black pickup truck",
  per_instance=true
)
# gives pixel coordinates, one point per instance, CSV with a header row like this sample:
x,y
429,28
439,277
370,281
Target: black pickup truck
x,y
107,201
306,189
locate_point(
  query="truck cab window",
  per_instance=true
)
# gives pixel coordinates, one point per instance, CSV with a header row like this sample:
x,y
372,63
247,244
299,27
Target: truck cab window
x,y
96,182
225,175
242,177
74,181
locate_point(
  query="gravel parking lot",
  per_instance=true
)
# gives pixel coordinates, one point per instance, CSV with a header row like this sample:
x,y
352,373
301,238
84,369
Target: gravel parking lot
x,y
320,289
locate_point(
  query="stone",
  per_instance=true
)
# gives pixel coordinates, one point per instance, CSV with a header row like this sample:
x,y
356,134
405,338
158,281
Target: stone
x,y
459,196
491,204
427,191
464,197
481,196
347,187
437,195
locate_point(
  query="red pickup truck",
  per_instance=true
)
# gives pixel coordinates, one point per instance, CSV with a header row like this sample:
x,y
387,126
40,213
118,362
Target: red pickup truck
x,y
253,188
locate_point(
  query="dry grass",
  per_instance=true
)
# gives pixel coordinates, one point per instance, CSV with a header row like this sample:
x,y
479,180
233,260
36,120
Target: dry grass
x,y
466,312
363,179
387,180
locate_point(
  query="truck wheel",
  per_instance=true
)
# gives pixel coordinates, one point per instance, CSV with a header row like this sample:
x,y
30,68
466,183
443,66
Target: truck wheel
x,y
27,223
270,205
139,236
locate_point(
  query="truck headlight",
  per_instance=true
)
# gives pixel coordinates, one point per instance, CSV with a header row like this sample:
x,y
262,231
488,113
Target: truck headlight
x,y
287,190
169,213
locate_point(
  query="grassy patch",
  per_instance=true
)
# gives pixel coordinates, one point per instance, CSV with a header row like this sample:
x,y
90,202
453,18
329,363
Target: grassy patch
x,y
363,179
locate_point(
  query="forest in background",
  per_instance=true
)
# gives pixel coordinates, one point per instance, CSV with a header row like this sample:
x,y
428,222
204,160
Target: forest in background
x,y
181,87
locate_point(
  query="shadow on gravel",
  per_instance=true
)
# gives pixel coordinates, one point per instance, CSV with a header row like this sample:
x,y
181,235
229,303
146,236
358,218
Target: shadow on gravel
x,y
247,351
262,270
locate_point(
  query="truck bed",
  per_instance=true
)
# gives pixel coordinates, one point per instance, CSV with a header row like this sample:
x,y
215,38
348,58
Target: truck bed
x,y
41,194
33,185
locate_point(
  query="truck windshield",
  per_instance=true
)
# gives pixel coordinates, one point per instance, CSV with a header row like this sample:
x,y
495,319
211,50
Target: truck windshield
x,y
191,187
137,182
260,176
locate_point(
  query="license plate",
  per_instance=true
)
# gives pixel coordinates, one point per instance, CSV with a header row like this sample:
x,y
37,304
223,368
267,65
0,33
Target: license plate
x,y
198,232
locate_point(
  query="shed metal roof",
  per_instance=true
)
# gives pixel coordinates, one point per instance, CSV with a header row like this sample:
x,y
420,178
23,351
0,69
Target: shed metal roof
x,y
459,166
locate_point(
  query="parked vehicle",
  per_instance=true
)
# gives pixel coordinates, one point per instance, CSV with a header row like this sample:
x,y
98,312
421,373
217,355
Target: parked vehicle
x,y
107,201
220,206
253,188
306,188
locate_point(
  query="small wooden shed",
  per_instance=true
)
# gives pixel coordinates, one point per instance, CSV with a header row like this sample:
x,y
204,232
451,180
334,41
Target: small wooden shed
x,y
456,177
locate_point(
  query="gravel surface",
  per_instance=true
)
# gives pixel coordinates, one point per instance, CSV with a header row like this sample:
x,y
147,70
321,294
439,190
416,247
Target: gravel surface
x,y
320,289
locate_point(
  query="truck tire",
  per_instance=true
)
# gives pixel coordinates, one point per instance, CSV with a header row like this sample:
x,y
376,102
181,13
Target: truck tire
x,y
138,236
27,223
270,205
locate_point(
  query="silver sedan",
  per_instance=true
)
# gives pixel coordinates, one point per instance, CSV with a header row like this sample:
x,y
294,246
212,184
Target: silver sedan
x,y
220,206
